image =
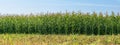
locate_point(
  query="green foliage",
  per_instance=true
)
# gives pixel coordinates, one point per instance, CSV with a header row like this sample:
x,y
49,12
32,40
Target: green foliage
x,y
62,23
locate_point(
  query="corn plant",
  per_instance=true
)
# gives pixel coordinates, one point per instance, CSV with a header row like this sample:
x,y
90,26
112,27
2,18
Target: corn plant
x,y
62,23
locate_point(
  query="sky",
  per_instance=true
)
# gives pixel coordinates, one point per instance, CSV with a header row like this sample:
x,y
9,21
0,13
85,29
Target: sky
x,y
37,6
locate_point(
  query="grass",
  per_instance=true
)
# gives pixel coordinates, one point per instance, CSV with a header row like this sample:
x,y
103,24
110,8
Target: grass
x,y
36,39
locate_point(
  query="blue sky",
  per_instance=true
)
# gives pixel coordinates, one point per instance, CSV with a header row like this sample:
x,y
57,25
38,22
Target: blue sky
x,y
37,6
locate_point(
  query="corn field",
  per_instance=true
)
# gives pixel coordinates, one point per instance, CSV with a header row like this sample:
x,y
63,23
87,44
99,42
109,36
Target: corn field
x,y
61,23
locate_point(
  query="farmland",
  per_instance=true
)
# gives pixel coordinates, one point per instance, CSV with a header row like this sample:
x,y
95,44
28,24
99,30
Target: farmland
x,y
61,23
69,28
36,39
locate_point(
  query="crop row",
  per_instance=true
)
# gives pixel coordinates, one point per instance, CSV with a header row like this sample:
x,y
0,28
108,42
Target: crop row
x,y
62,23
